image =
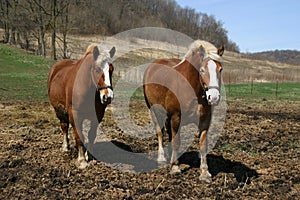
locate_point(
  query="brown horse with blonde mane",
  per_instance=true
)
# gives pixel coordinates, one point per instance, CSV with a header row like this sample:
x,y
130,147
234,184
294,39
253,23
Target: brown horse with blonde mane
x,y
81,90
179,92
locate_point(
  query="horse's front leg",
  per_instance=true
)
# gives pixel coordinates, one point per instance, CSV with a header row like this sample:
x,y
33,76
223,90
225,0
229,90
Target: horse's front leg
x,y
205,175
77,127
175,124
92,133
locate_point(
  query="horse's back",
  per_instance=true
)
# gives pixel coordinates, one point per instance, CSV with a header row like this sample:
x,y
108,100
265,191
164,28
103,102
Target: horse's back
x,y
60,68
58,79
158,65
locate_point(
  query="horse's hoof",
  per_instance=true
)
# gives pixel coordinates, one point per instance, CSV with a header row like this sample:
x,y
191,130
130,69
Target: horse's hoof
x,y
175,169
206,177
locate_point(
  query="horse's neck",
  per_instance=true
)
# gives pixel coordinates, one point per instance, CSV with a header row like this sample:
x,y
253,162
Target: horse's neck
x,y
193,76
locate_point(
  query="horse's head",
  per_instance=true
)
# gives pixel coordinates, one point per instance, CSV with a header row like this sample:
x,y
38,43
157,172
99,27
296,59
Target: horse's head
x,y
102,72
207,59
210,78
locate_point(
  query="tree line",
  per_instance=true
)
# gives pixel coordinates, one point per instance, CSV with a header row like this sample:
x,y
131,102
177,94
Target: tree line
x,y
27,21
282,56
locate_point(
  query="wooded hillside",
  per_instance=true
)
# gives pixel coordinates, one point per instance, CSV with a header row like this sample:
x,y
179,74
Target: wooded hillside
x,y
26,22
282,56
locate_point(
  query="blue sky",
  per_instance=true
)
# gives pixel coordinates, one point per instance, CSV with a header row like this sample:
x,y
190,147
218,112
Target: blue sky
x,y
255,25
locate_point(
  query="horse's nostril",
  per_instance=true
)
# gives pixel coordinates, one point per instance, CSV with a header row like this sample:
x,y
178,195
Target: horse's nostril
x,y
104,98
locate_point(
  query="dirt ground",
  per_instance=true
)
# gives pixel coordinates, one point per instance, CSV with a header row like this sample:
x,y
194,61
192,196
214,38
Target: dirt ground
x,y
256,157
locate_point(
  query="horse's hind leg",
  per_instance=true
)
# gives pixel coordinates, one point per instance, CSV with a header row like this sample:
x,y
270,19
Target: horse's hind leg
x,y
63,116
158,129
65,127
175,123
205,175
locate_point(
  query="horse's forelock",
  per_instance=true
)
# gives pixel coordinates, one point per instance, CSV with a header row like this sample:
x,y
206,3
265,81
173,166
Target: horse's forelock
x,y
104,56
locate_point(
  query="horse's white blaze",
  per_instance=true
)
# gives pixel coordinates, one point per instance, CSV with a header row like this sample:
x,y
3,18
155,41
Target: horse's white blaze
x,y
212,69
106,74
107,82
213,94
108,93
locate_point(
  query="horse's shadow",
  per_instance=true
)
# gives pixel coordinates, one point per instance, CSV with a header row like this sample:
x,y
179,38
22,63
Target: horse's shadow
x,y
120,154
217,164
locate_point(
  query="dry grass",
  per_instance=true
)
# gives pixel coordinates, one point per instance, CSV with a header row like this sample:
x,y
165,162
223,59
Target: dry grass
x,y
237,68
134,51
243,70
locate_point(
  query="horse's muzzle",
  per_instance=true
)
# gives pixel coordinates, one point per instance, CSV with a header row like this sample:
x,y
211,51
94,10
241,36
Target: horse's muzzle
x,y
106,100
213,96
106,96
213,100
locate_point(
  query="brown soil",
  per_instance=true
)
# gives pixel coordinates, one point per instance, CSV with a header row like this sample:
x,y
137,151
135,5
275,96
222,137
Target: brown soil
x,y
256,157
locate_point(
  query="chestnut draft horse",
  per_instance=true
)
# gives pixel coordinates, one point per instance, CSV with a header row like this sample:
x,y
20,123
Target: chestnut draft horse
x,y
81,90
179,92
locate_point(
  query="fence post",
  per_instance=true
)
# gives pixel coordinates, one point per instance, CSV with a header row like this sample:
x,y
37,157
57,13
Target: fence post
x,y
229,84
276,91
251,86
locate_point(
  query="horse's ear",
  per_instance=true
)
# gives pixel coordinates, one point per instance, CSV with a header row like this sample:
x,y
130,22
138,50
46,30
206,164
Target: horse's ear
x,y
202,51
221,50
112,52
96,52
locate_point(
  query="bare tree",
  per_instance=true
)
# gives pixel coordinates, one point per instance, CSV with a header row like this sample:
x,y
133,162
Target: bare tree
x,y
39,15
5,15
64,24
53,27
25,19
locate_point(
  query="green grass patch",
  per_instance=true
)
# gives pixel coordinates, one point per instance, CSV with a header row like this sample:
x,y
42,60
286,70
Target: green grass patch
x,y
23,76
264,91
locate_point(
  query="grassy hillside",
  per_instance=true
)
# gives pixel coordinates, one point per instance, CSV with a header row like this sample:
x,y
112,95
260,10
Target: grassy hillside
x,y
22,76
239,69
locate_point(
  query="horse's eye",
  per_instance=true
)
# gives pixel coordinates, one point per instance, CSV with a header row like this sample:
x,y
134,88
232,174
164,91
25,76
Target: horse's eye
x,y
98,70
202,71
221,69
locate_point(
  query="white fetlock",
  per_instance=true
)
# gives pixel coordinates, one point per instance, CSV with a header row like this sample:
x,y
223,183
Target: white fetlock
x,y
161,159
82,164
175,169
65,148
86,155
205,176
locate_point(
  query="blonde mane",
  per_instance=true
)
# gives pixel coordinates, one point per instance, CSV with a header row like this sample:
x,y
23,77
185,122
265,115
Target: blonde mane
x,y
210,50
